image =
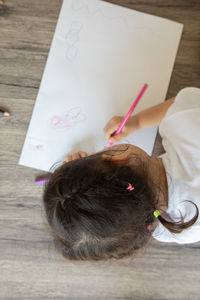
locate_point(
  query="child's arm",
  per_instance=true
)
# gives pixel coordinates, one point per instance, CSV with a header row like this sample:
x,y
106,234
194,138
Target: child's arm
x,y
147,118
153,115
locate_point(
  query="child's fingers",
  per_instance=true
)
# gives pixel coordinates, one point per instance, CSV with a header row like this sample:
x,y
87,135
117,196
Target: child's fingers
x,y
82,153
112,126
68,158
117,138
75,155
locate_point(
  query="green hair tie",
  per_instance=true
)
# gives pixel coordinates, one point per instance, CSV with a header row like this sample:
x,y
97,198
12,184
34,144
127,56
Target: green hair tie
x,y
156,213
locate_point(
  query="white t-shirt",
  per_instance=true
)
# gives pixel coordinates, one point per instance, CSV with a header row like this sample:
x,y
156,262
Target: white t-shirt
x,y
180,131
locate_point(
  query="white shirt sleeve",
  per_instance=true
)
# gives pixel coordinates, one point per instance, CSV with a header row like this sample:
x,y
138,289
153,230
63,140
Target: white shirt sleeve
x,y
188,98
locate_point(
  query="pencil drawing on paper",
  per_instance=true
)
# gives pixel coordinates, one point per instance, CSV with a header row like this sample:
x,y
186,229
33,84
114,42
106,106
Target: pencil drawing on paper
x,y
72,38
143,32
68,120
80,5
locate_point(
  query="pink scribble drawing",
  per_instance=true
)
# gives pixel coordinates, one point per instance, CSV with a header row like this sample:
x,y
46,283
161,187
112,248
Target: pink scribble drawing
x,y
68,120
39,146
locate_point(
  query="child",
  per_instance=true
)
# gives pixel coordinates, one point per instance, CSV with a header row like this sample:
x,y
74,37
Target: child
x,y
110,204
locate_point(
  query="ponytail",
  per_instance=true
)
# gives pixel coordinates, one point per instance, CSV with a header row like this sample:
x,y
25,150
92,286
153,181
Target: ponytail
x,y
178,227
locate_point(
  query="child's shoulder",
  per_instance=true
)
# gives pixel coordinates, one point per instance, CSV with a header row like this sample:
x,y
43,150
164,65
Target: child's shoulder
x,y
182,117
188,93
187,99
189,89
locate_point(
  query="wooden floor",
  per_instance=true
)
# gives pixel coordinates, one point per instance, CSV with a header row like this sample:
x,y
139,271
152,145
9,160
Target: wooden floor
x,y
30,268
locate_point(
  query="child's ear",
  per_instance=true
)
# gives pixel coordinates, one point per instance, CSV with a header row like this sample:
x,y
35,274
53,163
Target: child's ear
x,y
109,157
117,153
115,158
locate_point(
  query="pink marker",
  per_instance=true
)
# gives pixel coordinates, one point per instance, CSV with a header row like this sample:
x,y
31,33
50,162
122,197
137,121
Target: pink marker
x,y
41,180
130,111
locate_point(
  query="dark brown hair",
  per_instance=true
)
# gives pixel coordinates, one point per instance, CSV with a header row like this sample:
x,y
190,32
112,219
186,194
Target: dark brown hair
x,y
92,215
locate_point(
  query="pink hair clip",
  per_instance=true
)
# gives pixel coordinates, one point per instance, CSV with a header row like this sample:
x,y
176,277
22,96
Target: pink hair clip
x,y
148,227
130,187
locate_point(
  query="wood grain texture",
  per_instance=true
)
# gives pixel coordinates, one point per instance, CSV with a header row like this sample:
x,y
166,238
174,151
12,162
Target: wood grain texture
x,y
30,267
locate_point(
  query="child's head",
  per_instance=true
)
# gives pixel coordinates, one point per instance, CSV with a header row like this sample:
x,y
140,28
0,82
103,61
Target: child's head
x,y
92,214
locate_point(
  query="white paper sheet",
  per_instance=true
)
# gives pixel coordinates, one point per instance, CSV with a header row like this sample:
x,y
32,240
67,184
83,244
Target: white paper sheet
x,y
100,57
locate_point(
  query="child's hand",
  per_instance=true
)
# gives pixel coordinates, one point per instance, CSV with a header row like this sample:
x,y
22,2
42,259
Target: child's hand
x,y
75,155
130,127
